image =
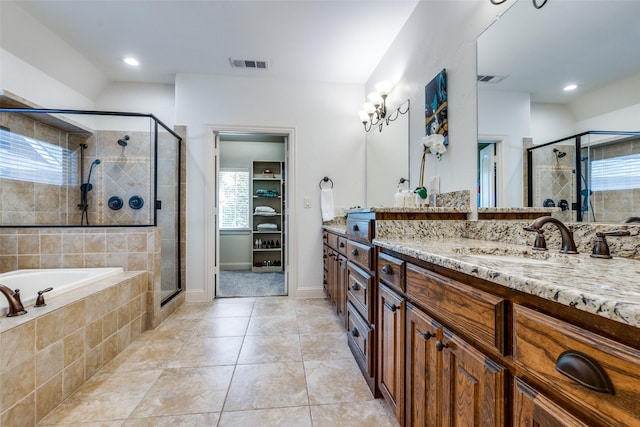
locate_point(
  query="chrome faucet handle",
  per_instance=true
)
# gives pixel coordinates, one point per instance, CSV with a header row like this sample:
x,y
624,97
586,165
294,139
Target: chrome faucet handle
x,y
540,243
600,246
40,299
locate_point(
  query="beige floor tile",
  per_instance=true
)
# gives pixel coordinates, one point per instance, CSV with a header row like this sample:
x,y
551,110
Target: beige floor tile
x,y
191,420
323,324
277,417
202,351
117,423
324,376
362,414
186,391
325,346
145,354
234,300
172,329
270,349
106,396
314,307
230,310
191,310
222,327
284,306
271,385
272,325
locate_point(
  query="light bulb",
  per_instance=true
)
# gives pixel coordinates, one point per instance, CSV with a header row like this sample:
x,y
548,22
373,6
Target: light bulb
x,y
369,108
384,88
364,117
375,98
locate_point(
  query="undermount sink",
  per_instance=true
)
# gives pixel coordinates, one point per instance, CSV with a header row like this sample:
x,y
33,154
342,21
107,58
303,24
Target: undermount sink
x,y
518,256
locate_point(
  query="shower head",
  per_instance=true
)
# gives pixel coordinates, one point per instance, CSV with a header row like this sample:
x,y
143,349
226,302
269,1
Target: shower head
x,y
95,162
123,141
559,154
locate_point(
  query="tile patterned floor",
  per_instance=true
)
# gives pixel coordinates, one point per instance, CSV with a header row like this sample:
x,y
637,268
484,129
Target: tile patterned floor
x,y
272,361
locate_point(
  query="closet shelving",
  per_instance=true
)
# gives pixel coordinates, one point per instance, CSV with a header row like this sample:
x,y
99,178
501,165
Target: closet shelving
x,y
267,218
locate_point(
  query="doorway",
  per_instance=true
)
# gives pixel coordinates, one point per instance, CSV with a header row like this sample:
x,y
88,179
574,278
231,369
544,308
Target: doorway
x,y
488,172
252,221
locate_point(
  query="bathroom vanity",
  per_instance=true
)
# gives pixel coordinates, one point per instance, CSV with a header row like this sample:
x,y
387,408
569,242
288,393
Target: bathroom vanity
x,y
473,332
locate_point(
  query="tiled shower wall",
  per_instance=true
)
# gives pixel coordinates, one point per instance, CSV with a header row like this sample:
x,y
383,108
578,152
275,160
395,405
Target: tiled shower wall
x,y
136,248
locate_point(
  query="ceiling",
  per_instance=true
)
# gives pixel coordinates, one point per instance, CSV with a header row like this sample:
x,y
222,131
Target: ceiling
x,y
313,40
587,42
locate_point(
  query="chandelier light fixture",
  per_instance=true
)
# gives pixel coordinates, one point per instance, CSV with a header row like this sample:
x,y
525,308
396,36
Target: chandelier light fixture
x,y
536,3
374,112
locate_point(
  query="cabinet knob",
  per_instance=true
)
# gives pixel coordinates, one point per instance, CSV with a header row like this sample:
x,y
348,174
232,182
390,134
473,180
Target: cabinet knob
x,y
386,269
341,244
355,332
354,287
355,227
425,335
440,345
393,308
354,252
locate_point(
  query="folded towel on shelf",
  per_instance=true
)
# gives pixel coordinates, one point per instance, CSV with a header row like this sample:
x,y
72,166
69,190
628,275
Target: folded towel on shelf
x,y
267,226
266,193
264,209
326,204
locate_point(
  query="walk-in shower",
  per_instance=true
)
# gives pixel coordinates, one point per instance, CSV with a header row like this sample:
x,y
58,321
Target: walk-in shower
x,y
67,168
593,176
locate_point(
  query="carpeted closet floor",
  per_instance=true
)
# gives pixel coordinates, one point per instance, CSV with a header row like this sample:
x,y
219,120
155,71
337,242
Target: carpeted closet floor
x,y
243,283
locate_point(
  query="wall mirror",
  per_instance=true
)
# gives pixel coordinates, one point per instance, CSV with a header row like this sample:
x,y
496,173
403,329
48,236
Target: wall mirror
x,y
525,60
387,158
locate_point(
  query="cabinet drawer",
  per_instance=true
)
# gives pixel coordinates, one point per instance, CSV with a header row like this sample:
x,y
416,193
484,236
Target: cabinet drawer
x,y
545,347
361,341
332,241
360,292
472,312
391,271
342,245
360,228
360,254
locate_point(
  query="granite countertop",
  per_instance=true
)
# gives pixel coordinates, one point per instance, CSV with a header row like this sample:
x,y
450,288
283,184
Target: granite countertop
x,y
605,287
445,209
518,210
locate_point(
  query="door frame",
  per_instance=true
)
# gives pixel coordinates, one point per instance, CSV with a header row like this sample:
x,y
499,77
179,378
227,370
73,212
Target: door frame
x,y
212,247
500,144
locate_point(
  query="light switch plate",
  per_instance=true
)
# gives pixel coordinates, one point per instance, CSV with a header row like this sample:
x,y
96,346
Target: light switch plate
x,y
307,202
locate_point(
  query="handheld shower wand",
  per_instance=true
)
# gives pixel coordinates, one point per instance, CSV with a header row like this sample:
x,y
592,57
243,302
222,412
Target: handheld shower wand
x,y
84,190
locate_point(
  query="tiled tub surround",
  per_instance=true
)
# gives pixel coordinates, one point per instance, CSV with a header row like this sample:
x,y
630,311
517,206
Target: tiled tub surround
x,y
605,287
135,248
46,354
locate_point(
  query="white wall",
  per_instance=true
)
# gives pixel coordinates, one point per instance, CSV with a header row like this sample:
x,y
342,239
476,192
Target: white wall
x,y
49,72
329,140
441,34
506,115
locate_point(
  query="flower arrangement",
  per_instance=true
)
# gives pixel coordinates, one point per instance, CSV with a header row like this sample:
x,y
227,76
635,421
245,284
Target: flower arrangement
x,y
434,144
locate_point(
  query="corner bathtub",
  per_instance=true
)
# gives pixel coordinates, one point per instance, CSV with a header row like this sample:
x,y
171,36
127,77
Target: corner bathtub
x,y
60,279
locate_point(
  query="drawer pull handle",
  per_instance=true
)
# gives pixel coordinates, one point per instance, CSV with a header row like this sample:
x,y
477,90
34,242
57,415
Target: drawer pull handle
x,y
584,370
425,335
393,308
354,332
354,287
440,345
354,252
341,244
386,269
355,227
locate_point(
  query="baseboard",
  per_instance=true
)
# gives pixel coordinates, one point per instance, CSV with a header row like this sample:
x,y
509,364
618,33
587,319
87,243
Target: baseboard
x,y
309,293
196,296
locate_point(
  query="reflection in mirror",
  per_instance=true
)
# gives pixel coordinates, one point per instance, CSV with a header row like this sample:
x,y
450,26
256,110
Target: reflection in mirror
x,y
521,75
387,159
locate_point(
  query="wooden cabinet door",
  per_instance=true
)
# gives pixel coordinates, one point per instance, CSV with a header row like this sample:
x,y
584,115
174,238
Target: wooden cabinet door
x,y
391,312
423,365
341,288
531,409
473,386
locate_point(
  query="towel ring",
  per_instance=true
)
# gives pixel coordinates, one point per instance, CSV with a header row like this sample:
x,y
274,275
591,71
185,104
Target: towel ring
x,y
325,179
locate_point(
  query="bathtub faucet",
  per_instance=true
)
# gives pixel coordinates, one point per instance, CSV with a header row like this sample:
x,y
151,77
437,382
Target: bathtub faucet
x,y
13,298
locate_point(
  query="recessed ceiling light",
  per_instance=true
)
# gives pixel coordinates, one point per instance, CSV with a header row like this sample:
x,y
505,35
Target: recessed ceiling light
x,y
570,87
131,61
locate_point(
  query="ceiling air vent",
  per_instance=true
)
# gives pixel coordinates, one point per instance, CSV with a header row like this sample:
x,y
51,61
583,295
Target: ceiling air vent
x,y
249,63
491,79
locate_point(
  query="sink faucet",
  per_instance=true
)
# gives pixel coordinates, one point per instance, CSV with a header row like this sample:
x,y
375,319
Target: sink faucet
x,y
13,297
568,244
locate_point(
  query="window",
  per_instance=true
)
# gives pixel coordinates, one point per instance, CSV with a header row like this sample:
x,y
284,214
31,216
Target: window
x,y
28,159
616,173
234,196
